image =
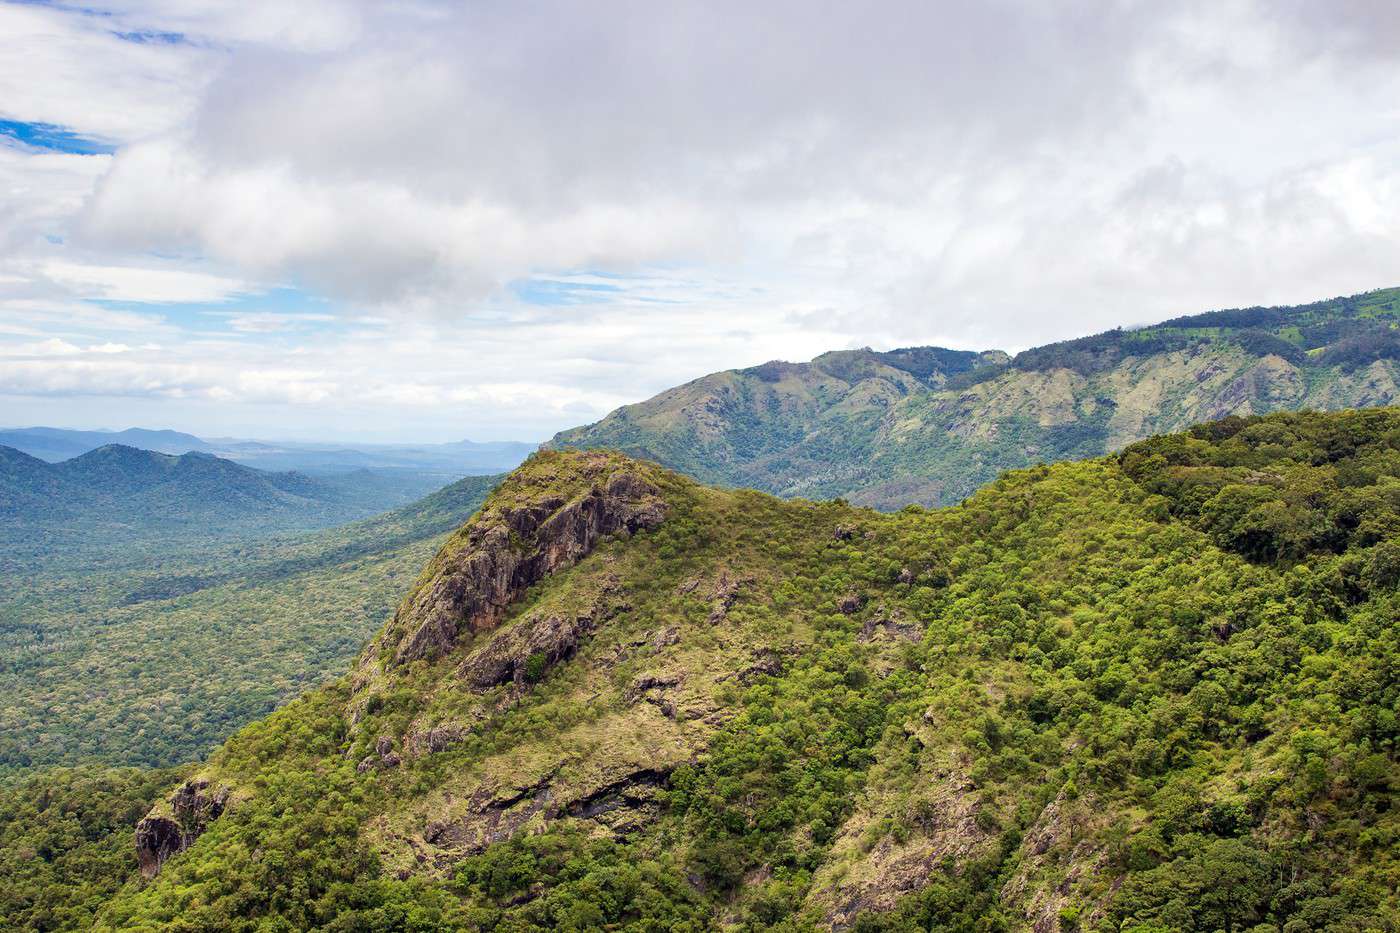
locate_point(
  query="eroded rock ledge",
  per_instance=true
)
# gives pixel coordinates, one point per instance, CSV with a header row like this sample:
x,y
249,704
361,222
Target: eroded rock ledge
x,y
513,547
174,825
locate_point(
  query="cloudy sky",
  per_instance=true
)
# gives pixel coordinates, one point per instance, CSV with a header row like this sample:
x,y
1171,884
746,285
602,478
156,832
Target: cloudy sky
x,y
429,221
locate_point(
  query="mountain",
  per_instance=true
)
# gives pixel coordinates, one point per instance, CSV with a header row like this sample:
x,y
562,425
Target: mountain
x,y
117,493
54,444
1152,691
444,462
452,460
929,426
126,659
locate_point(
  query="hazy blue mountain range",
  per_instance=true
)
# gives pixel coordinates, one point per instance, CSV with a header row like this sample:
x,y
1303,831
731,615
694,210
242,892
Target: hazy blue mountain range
x,y
445,461
55,444
119,496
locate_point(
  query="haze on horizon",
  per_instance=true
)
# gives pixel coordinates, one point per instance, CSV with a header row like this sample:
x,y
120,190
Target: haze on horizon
x,y
340,220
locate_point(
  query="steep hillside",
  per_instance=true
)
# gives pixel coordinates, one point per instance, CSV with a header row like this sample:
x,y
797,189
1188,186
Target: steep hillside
x,y
929,426
1150,692
140,662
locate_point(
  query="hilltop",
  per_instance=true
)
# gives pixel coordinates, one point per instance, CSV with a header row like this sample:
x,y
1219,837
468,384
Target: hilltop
x,y
1143,692
929,426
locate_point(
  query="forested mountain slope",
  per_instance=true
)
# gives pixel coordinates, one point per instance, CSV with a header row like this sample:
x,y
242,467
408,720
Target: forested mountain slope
x,y
132,660
1155,691
929,426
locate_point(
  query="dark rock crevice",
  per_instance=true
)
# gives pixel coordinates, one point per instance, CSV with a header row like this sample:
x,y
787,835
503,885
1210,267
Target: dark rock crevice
x,y
163,834
524,652
623,804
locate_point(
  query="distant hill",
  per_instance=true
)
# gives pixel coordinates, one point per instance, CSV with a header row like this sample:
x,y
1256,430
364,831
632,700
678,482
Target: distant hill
x,y
54,444
118,494
927,425
444,462
448,460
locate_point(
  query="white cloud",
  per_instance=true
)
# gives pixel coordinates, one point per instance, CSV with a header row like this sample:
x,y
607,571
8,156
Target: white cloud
x,y
141,284
903,146
70,68
771,179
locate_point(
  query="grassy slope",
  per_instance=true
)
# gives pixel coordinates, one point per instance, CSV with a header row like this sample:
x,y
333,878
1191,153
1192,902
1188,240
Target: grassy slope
x,y
104,662
1069,701
876,435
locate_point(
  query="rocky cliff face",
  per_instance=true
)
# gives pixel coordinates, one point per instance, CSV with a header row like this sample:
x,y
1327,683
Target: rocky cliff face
x,y
505,550
545,519
177,822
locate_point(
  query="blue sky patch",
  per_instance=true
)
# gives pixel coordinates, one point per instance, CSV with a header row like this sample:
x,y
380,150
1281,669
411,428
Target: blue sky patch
x,y
551,293
253,315
151,37
53,138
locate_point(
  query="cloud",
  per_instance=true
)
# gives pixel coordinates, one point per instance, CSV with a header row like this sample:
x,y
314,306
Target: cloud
x,y
141,284
407,376
71,69
612,197
466,148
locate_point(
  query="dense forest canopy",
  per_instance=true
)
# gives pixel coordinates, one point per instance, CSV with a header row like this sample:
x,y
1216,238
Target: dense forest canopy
x,y
153,652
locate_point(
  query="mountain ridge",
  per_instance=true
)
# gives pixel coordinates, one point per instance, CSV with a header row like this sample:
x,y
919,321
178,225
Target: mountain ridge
x,y
131,483
851,424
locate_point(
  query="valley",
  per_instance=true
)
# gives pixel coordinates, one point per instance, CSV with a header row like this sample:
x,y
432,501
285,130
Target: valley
x,y
699,467
152,652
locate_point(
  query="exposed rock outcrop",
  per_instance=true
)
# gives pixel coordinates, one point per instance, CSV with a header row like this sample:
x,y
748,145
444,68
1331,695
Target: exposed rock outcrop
x,y
722,597
383,756
621,802
523,652
656,689
494,814
941,825
511,547
892,626
766,663
173,826
1064,843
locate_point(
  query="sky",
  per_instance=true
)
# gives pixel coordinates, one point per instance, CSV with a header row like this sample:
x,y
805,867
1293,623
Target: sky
x,y
422,221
